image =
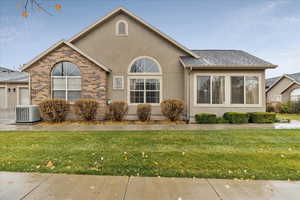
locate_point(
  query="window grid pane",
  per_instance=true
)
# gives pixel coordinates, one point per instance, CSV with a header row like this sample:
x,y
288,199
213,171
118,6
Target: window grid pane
x,y
252,90
203,89
59,94
59,83
237,89
218,90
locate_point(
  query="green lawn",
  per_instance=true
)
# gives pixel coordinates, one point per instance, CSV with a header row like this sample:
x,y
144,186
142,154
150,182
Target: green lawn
x,y
288,116
248,154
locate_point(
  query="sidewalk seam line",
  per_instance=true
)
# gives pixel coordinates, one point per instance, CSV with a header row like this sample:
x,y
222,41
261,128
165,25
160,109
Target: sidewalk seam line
x,y
214,189
28,193
126,188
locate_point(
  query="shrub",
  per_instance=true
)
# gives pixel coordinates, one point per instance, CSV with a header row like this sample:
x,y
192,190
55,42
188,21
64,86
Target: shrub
x,y
236,117
297,107
54,110
144,112
172,108
205,118
270,107
287,107
262,117
86,109
221,120
117,110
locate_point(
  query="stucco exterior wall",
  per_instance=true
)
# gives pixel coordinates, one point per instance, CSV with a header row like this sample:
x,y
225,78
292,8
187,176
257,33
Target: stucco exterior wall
x,y
277,89
286,95
93,78
117,52
221,109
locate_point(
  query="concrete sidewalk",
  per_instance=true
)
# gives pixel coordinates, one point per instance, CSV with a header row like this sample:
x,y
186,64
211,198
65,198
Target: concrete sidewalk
x,y
116,127
17,186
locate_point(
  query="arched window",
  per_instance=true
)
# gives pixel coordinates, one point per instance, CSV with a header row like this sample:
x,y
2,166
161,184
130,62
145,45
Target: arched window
x,y
295,95
122,28
66,81
144,81
145,65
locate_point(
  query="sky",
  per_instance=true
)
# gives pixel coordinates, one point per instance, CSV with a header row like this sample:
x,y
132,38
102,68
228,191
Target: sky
x,y
269,29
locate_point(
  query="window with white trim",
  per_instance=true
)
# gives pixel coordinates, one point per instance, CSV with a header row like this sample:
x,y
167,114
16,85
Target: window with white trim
x,y
244,89
66,81
118,82
144,89
121,28
210,89
295,95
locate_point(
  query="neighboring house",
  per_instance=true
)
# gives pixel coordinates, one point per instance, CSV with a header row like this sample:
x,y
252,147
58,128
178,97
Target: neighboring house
x,y
123,58
13,88
283,88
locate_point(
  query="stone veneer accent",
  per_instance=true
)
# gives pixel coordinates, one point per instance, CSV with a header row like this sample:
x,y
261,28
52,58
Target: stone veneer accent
x,y
93,78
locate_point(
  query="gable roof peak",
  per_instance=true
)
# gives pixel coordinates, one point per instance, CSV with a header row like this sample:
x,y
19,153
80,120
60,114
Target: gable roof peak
x,y
154,29
58,44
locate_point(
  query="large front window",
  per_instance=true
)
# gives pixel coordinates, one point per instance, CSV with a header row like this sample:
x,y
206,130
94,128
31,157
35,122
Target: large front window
x,y
210,89
66,81
144,89
227,89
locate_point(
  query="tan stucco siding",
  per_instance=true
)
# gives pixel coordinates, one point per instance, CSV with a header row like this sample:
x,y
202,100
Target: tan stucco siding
x,y
221,109
278,88
117,52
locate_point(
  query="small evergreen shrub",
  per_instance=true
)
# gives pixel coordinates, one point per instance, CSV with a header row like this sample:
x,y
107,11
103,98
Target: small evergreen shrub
x,y
287,107
86,109
205,118
221,120
54,110
236,117
117,110
144,112
172,109
262,117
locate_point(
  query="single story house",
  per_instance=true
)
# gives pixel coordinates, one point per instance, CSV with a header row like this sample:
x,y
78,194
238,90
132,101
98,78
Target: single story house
x,y
123,58
283,88
13,88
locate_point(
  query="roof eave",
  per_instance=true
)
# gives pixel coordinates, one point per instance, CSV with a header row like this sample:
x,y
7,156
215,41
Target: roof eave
x,y
230,67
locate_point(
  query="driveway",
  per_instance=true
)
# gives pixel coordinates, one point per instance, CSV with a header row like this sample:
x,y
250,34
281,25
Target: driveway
x,y
26,186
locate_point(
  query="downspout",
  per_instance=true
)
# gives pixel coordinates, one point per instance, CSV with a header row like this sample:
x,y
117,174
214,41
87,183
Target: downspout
x,y
189,94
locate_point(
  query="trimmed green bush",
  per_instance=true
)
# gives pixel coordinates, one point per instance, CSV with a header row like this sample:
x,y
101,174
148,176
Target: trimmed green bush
x,y
205,118
236,117
262,117
54,110
221,120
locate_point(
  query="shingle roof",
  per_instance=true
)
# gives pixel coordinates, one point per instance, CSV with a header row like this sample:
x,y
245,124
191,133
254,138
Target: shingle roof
x,y
3,69
293,77
224,58
13,77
